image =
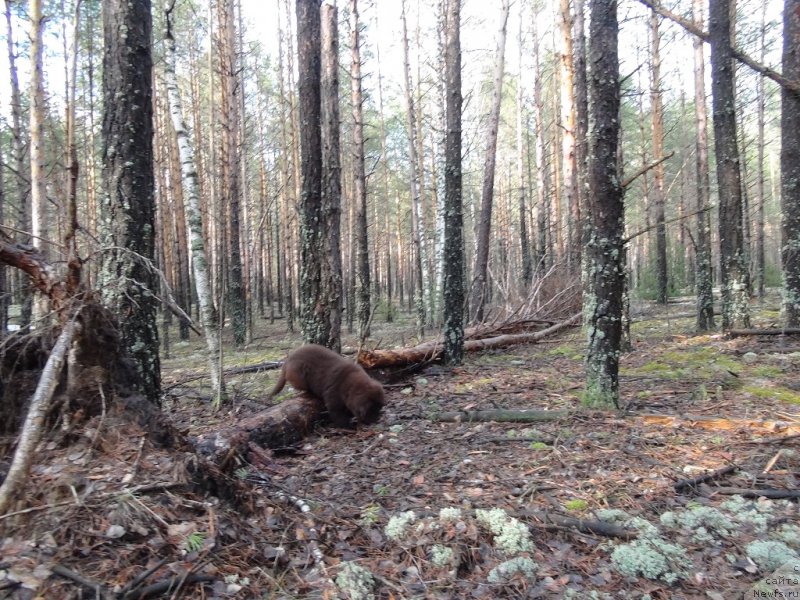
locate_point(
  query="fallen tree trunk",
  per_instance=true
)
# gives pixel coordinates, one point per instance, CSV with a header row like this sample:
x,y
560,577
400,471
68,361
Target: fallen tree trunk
x,y
431,351
276,427
775,331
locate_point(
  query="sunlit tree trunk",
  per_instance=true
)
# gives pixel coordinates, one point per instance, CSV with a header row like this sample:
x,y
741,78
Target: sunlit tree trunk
x,y
39,228
128,282
790,166
480,278
603,302
734,276
703,278
205,296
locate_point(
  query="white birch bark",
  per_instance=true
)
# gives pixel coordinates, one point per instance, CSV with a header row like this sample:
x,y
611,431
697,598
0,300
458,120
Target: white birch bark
x,y
205,297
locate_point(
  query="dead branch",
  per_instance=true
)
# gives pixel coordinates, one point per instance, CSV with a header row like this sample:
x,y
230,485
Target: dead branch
x,y
431,351
691,483
771,493
667,222
500,416
751,332
646,168
737,54
583,525
34,422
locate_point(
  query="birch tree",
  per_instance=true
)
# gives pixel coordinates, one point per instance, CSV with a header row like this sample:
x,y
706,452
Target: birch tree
x,y
205,295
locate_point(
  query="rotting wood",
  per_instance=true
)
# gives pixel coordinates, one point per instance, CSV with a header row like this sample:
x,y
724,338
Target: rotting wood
x,y
694,482
719,423
278,426
500,415
432,351
776,331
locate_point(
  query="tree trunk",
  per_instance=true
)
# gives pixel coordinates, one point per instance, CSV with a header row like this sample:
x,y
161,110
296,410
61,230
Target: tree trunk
x,y
734,277
414,182
331,180
525,249
230,163
659,199
359,176
38,172
480,280
760,176
314,317
703,279
205,298
128,282
454,259
568,158
544,249
603,304
790,165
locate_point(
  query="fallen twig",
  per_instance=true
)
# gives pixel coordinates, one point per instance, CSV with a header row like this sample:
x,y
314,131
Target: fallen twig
x,y
694,482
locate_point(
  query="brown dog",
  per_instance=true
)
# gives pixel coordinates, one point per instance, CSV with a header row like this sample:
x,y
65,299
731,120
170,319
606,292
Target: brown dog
x,y
341,384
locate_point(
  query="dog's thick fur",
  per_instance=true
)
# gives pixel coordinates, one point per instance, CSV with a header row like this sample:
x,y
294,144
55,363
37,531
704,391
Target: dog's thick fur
x,y
341,384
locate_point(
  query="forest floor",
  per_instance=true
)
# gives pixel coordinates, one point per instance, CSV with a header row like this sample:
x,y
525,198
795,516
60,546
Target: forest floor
x,y
110,506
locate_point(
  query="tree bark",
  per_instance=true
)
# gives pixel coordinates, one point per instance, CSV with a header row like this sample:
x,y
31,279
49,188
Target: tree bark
x,y
314,324
359,176
568,156
659,199
703,278
205,298
480,277
790,166
603,304
734,276
454,258
129,283
331,180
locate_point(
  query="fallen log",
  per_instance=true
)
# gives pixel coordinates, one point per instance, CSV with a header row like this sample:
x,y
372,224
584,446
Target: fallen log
x,y
691,483
279,426
771,493
552,520
432,351
772,331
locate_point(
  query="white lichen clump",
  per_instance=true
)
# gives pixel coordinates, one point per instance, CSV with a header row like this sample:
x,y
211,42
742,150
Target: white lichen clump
x,y
770,554
355,582
702,521
790,534
505,571
398,524
441,556
623,519
756,514
653,558
449,515
510,535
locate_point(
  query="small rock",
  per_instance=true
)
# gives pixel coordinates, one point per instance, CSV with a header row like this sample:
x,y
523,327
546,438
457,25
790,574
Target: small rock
x,y
750,358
